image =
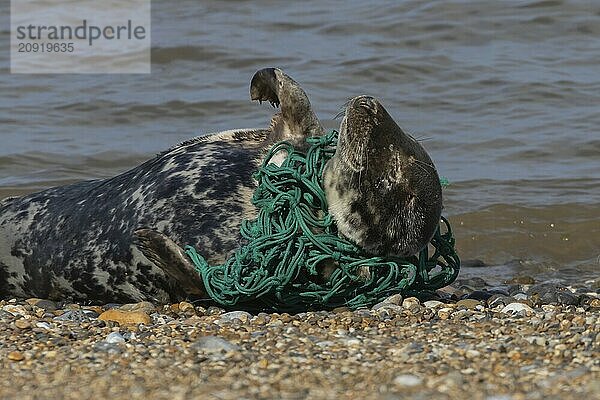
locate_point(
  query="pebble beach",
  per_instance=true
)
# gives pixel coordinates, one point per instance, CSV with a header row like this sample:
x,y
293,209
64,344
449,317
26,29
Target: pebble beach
x,y
516,341
500,93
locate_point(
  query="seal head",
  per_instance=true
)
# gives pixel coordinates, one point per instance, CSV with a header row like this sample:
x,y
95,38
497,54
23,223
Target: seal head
x,y
381,185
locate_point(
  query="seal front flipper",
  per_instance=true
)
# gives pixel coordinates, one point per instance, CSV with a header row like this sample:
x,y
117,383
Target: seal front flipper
x,y
296,121
171,258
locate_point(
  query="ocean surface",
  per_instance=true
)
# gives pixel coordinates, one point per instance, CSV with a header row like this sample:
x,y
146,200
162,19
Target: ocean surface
x,y
505,96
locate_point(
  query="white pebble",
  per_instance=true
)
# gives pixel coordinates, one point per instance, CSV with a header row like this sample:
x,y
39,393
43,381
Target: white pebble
x,y
214,344
407,380
43,325
433,304
15,310
230,316
351,342
114,337
383,306
411,302
514,308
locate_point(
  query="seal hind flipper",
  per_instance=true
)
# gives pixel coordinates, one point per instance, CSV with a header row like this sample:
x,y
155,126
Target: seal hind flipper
x,y
263,86
296,121
171,258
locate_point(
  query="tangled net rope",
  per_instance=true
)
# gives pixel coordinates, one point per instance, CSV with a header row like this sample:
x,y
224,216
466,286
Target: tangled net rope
x,y
285,247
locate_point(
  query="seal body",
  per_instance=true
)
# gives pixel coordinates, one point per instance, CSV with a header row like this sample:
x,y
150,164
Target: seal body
x,y
103,240
77,241
381,185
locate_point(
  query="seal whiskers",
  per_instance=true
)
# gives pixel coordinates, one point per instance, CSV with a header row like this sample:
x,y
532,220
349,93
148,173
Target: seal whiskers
x,y
382,187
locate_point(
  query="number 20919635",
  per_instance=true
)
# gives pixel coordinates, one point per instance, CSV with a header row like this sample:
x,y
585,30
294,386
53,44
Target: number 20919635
x,y
46,48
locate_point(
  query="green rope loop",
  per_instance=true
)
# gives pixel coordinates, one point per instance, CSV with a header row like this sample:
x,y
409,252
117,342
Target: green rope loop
x,y
294,237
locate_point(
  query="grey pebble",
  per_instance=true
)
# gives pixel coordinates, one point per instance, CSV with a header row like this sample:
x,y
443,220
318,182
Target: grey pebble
x,y
74,316
110,306
144,306
520,296
513,289
350,341
364,313
160,319
47,305
395,308
213,344
502,289
394,299
537,340
473,282
104,346
551,293
129,336
325,343
230,316
481,295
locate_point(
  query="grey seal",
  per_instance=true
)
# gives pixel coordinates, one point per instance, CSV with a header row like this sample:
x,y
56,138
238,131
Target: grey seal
x,y
120,239
382,188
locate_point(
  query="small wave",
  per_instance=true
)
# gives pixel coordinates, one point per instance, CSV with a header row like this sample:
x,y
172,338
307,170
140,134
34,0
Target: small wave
x,y
30,171
166,55
543,4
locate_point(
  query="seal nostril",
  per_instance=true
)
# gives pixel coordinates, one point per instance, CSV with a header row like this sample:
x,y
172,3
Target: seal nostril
x,y
368,103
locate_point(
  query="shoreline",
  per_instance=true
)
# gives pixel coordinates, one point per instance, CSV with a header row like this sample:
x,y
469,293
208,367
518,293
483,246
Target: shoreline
x,y
399,348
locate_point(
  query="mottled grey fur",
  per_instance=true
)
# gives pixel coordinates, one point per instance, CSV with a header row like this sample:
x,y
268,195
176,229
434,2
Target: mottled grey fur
x,y
382,188
84,241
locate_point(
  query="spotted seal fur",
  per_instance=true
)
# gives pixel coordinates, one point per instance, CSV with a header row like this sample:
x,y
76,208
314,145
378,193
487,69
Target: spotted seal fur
x,y
382,187
114,240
